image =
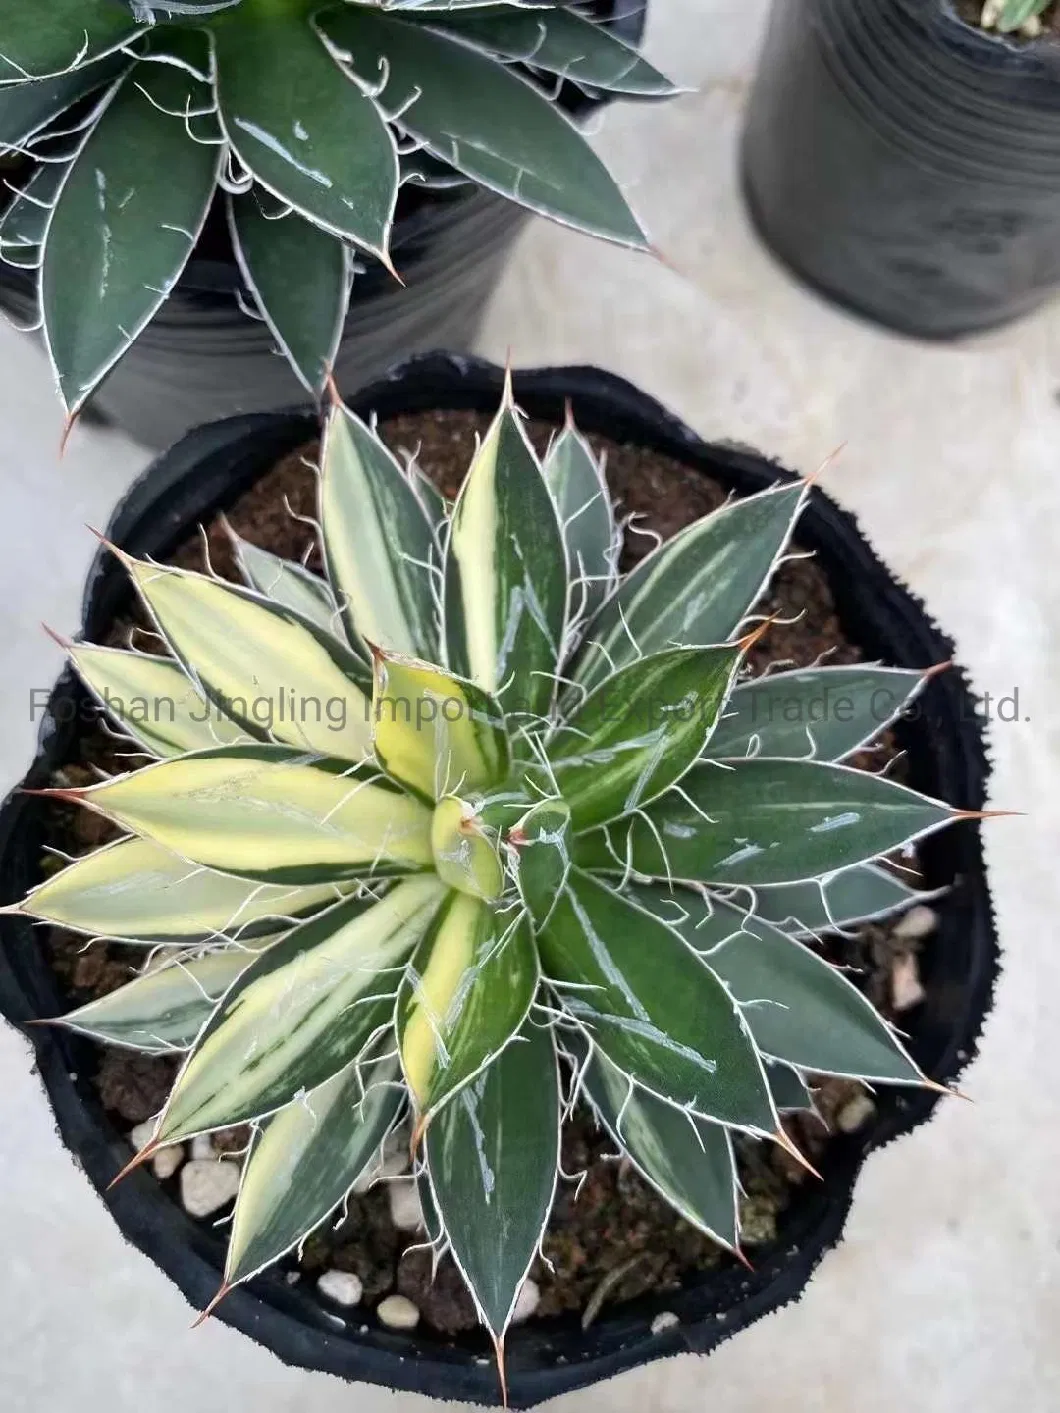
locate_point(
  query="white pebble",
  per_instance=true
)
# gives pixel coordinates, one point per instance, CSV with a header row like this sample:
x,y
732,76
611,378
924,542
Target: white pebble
x,y
918,922
855,1112
526,1302
167,1160
395,1161
664,1321
906,990
406,1210
341,1286
142,1134
202,1147
207,1185
397,1313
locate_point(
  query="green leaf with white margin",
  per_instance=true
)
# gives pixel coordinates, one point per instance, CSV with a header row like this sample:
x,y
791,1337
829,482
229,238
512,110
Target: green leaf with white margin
x,y
305,1162
689,1160
25,108
860,894
270,670
695,589
136,891
800,1009
542,844
301,1013
436,733
306,315
506,572
561,42
166,1007
308,133
263,812
484,120
790,1092
465,855
25,222
378,542
154,701
493,1157
41,40
757,822
126,220
286,583
819,713
467,991
652,1006
638,733
583,502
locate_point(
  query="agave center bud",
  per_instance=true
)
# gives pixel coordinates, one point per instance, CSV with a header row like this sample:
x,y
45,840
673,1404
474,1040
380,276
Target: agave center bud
x,y
541,842
465,852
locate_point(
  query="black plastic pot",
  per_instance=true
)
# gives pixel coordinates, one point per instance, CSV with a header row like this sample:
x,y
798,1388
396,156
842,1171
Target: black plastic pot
x,y
907,164
206,472
203,357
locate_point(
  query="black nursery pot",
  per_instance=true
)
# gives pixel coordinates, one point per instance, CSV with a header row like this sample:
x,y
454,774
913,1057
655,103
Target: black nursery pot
x,y
946,757
203,357
907,164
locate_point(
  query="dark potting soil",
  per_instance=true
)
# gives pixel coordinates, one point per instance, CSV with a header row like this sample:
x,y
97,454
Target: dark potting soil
x,y
971,11
612,1232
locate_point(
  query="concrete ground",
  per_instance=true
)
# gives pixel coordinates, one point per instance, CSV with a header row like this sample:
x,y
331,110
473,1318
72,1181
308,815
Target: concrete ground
x,y
945,1296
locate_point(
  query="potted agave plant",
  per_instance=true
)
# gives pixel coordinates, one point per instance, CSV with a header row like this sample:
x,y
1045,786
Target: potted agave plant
x,y
903,156
477,850
196,185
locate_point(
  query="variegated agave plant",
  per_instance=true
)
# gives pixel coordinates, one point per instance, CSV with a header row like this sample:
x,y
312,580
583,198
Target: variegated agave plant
x,y
136,112
474,827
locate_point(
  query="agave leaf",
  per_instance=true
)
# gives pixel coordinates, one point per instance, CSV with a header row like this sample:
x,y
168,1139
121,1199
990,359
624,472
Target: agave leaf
x,y
639,732
136,891
505,573
485,121
41,40
435,733
308,1157
687,1159
652,1006
466,993
542,840
493,1155
823,713
465,856
267,668
301,1013
262,812
25,108
560,42
25,222
790,1092
286,583
306,315
378,541
164,1009
154,700
860,894
758,822
695,589
308,134
583,502
127,217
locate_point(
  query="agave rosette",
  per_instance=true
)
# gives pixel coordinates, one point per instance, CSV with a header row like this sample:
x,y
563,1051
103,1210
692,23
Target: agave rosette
x,y
474,826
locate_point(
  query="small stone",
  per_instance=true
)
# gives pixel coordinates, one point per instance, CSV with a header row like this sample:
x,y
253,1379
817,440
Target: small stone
x,y
526,1302
918,922
202,1147
397,1313
341,1286
142,1134
906,990
406,1210
664,1321
855,1113
167,1160
395,1161
207,1185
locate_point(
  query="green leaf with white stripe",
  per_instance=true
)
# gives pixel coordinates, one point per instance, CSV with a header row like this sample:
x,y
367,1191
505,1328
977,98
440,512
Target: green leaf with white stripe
x,y
505,573
757,822
823,713
39,40
302,1012
790,1092
25,108
26,219
467,991
262,812
639,732
306,315
275,673
493,1156
136,891
542,842
583,502
378,542
694,590
652,1006
286,583
860,894
306,1160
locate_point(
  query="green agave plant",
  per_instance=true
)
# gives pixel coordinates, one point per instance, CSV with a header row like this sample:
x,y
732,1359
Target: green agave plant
x,y
472,828
1010,15
307,115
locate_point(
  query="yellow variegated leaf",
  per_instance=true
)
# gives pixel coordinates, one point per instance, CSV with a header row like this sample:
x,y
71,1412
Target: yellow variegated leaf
x,y
465,857
286,583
